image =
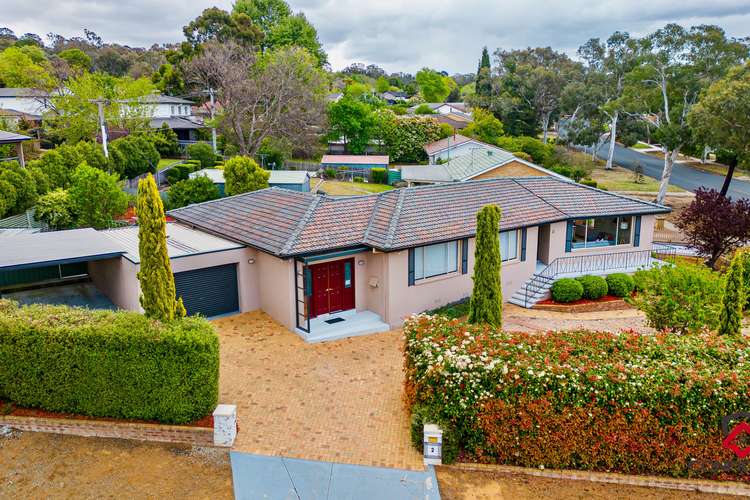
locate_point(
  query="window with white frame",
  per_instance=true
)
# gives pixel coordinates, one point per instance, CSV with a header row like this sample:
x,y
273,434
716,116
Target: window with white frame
x,y
602,232
509,245
434,260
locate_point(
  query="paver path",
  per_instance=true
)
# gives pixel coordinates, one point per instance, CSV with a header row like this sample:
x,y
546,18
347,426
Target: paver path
x,y
338,401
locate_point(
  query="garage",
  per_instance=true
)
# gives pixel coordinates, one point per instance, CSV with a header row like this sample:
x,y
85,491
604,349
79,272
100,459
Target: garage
x,y
210,291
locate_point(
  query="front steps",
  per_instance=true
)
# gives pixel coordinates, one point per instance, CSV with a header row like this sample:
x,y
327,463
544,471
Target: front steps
x,y
532,291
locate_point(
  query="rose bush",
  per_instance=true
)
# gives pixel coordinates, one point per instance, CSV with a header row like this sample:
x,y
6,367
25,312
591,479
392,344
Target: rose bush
x,y
577,399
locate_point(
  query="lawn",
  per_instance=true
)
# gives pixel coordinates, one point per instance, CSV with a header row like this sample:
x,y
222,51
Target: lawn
x,y
341,188
622,179
641,145
166,161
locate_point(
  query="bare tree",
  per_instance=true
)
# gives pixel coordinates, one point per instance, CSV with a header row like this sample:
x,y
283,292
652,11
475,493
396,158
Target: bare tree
x,y
279,95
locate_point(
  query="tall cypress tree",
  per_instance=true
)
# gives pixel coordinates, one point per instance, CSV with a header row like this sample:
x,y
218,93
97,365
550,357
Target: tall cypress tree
x,y
730,319
157,281
486,304
483,85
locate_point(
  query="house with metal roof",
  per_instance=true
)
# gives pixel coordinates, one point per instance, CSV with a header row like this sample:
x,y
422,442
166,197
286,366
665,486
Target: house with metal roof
x,y
468,160
296,180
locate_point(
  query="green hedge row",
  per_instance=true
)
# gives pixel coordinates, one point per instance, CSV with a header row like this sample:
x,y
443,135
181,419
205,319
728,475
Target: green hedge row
x,y
108,364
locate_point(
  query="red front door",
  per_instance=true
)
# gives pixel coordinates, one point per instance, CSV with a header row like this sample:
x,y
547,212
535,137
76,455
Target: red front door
x,y
332,286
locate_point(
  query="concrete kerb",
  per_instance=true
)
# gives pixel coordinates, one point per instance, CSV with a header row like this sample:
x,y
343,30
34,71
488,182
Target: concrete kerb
x,y
698,485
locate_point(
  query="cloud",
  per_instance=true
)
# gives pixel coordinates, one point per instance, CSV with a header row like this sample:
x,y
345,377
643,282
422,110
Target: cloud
x,y
395,34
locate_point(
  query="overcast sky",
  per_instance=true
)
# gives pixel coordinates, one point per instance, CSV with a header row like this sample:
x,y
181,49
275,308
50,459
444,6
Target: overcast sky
x,y
399,35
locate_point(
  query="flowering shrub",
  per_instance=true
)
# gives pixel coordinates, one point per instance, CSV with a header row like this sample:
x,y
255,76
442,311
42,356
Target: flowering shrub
x,y
576,399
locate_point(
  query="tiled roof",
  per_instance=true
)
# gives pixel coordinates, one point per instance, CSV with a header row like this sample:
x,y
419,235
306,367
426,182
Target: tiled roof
x,y
355,159
287,223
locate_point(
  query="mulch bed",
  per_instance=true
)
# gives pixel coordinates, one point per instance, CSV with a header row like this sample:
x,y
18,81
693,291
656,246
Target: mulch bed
x,y
606,303
10,409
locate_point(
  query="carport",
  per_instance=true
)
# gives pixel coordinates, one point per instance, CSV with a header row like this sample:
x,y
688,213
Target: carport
x,y
53,267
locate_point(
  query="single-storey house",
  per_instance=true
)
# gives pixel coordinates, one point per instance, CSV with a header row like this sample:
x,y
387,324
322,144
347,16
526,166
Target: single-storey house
x,y
356,163
457,121
482,162
451,147
296,180
328,267
458,108
394,96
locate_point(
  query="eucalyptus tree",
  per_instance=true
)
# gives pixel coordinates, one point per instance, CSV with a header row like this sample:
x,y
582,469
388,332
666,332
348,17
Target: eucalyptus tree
x,y
675,65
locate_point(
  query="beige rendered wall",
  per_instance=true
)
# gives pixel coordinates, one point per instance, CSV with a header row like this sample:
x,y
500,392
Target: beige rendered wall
x,y
404,300
557,240
511,169
117,278
276,288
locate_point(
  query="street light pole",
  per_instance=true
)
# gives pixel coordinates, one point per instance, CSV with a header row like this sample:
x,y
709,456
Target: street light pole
x,y
100,109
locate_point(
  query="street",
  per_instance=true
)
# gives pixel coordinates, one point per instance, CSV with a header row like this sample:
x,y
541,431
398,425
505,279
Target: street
x,y
682,175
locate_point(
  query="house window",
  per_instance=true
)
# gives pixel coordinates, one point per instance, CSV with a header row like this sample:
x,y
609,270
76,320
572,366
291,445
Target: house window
x,y
509,245
602,232
434,260
171,110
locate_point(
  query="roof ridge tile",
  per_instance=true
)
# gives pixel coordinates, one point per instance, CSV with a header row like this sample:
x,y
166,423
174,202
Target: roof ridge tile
x,y
300,226
395,217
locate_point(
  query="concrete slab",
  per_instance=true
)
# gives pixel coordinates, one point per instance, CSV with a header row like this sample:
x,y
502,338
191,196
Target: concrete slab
x,y
75,294
257,476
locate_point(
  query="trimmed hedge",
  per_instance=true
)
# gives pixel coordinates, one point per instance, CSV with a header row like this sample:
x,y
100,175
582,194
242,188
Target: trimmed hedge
x,y
115,364
379,175
620,284
566,290
594,287
619,402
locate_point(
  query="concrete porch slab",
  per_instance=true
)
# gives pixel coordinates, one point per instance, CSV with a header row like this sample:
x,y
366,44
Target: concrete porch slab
x,y
258,476
343,325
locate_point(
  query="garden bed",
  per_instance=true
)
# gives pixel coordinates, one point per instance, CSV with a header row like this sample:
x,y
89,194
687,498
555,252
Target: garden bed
x,y
584,400
606,303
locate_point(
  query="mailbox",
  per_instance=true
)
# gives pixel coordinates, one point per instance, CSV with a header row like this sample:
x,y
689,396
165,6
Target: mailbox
x,y
433,444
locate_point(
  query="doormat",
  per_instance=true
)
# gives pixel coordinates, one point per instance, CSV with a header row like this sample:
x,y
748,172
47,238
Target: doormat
x,y
334,320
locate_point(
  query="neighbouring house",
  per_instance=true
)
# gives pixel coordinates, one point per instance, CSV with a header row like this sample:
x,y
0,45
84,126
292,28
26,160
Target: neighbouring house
x,y
21,223
470,160
358,165
451,147
177,113
16,150
328,267
457,121
296,180
394,97
442,108
338,146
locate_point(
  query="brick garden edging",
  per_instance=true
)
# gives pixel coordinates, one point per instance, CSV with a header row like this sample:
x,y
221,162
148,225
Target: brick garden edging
x,y
221,434
699,485
609,305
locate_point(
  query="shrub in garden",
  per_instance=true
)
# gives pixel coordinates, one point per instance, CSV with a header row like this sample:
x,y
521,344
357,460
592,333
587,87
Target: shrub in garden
x,y
620,284
133,155
567,290
732,302
55,209
624,402
683,298
95,197
379,176
243,175
202,152
191,191
108,364
486,301
594,287
330,173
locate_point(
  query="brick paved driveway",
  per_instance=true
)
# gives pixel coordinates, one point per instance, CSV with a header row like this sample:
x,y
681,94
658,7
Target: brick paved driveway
x,y
338,401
